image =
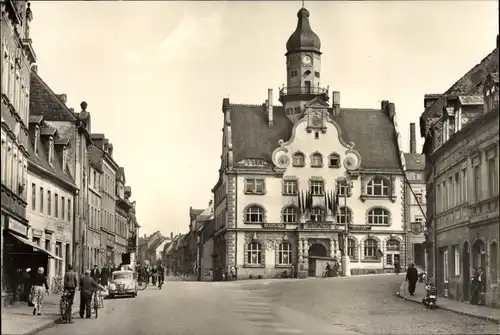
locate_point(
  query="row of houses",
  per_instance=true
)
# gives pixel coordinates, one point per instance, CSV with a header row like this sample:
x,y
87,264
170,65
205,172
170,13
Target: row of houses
x,y
461,133
64,196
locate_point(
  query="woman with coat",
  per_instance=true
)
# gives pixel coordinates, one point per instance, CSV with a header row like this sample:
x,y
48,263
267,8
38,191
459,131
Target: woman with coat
x,y
38,290
474,287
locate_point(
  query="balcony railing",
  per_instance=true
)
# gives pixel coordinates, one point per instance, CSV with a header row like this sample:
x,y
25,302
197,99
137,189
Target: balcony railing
x,y
297,90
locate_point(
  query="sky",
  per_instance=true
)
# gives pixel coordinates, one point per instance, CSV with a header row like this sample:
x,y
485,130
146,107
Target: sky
x,y
154,74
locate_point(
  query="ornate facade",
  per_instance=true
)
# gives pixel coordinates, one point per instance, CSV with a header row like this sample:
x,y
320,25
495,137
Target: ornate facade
x,y
295,177
462,172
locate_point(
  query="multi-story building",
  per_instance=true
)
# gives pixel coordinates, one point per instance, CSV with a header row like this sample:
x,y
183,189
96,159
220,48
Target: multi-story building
x,y
462,149
133,230
280,166
415,210
123,207
97,251
52,192
108,197
75,127
17,59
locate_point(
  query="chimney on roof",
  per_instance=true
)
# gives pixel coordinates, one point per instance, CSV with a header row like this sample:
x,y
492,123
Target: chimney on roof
x,y
63,97
336,102
270,115
171,236
110,150
413,139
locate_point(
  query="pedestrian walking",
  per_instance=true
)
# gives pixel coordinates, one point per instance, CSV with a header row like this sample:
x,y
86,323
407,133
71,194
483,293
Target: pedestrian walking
x,y
481,278
397,267
38,290
105,274
70,285
474,287
87,287
411,278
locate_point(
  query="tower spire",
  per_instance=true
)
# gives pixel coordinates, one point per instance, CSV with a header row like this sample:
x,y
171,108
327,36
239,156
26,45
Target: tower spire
x,y
302,3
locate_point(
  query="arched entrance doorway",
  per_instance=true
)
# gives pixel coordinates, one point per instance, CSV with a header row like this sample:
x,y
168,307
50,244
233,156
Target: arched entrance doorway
x,y
315,250
478,254
466,271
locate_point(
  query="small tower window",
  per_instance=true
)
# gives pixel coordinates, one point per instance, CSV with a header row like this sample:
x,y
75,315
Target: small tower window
x,y
316,74
307,72
294,73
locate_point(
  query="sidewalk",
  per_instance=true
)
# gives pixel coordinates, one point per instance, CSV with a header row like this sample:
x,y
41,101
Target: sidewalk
x,y
180,278
481,312
18,319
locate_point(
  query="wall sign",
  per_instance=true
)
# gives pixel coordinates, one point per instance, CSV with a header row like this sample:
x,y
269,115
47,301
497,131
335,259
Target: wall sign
x,y
17,226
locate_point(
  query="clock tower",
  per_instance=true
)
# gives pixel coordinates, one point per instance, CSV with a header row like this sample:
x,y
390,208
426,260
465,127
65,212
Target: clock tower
x,y
303,67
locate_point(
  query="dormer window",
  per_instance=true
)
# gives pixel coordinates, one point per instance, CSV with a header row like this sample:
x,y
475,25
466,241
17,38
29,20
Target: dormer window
x,y
51,150
37,139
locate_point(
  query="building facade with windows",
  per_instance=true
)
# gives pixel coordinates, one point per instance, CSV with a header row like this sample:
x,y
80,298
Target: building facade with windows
x,y
462,172
17,59
415,210
108,197
52,192
74,127
97,251
122,213
281,166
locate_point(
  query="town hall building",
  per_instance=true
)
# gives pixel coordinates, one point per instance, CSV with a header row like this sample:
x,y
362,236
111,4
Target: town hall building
x,y
308,181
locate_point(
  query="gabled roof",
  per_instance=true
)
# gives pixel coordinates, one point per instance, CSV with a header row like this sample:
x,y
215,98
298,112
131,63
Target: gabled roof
x,y
469,84
43,101
41,160
414,161
158,242
371,130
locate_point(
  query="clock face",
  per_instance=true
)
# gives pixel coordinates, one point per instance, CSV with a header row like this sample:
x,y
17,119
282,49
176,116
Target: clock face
x,y
307,60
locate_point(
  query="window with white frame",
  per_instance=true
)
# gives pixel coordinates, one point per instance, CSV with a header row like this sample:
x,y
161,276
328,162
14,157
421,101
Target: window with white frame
x,y
456,260
451,192
12,78
445,196
464,185
317,187
290,187
290,214
299,159
477,183
457,189
317,214
492,176
351,248
254,253
378,216
254,214
343,188
285,254
370,248
3,152
51,150
5,65
334,161
316,160
445,266
254,186
439,204
344,215
378,186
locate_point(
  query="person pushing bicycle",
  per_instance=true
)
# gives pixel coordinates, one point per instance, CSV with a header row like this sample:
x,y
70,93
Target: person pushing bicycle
x,y
70,285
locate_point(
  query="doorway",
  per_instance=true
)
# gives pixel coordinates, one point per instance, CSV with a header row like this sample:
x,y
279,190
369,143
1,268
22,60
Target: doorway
x,y
478,254
307,86
466,271
315,250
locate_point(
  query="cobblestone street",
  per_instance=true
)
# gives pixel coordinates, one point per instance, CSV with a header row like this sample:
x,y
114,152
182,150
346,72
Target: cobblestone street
x,y
355,305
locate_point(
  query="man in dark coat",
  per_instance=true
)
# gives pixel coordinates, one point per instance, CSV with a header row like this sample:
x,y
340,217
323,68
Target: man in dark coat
x,y
87,287
70,285
411,277
105,274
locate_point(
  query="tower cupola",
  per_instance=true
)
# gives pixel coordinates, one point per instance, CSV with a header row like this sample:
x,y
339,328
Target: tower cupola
x,y
303,38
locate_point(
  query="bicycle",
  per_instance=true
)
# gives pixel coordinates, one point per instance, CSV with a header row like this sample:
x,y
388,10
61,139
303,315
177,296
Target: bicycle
x,y
141,283
56,287
65,306
97,302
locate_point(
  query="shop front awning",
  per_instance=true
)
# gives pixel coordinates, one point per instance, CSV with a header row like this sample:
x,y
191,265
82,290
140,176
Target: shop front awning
x,y
36,246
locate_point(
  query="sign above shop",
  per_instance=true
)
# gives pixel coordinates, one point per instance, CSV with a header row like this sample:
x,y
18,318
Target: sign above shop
x,y
17,226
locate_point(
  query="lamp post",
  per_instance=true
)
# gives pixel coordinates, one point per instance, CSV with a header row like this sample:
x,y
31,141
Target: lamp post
x,y
346,269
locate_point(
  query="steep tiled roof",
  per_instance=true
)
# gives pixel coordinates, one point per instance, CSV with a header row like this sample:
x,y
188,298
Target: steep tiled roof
x,y
158,242
468,84
371,130
43,101
414,161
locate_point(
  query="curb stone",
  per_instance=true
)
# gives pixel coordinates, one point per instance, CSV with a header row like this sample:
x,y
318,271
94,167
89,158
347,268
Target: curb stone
x,y
49,324
481,317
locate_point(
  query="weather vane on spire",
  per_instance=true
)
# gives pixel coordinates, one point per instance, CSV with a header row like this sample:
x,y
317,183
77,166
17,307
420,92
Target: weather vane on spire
x,y
302,3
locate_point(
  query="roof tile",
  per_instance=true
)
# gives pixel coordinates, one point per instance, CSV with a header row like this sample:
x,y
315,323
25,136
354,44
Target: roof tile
x,y
370,129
